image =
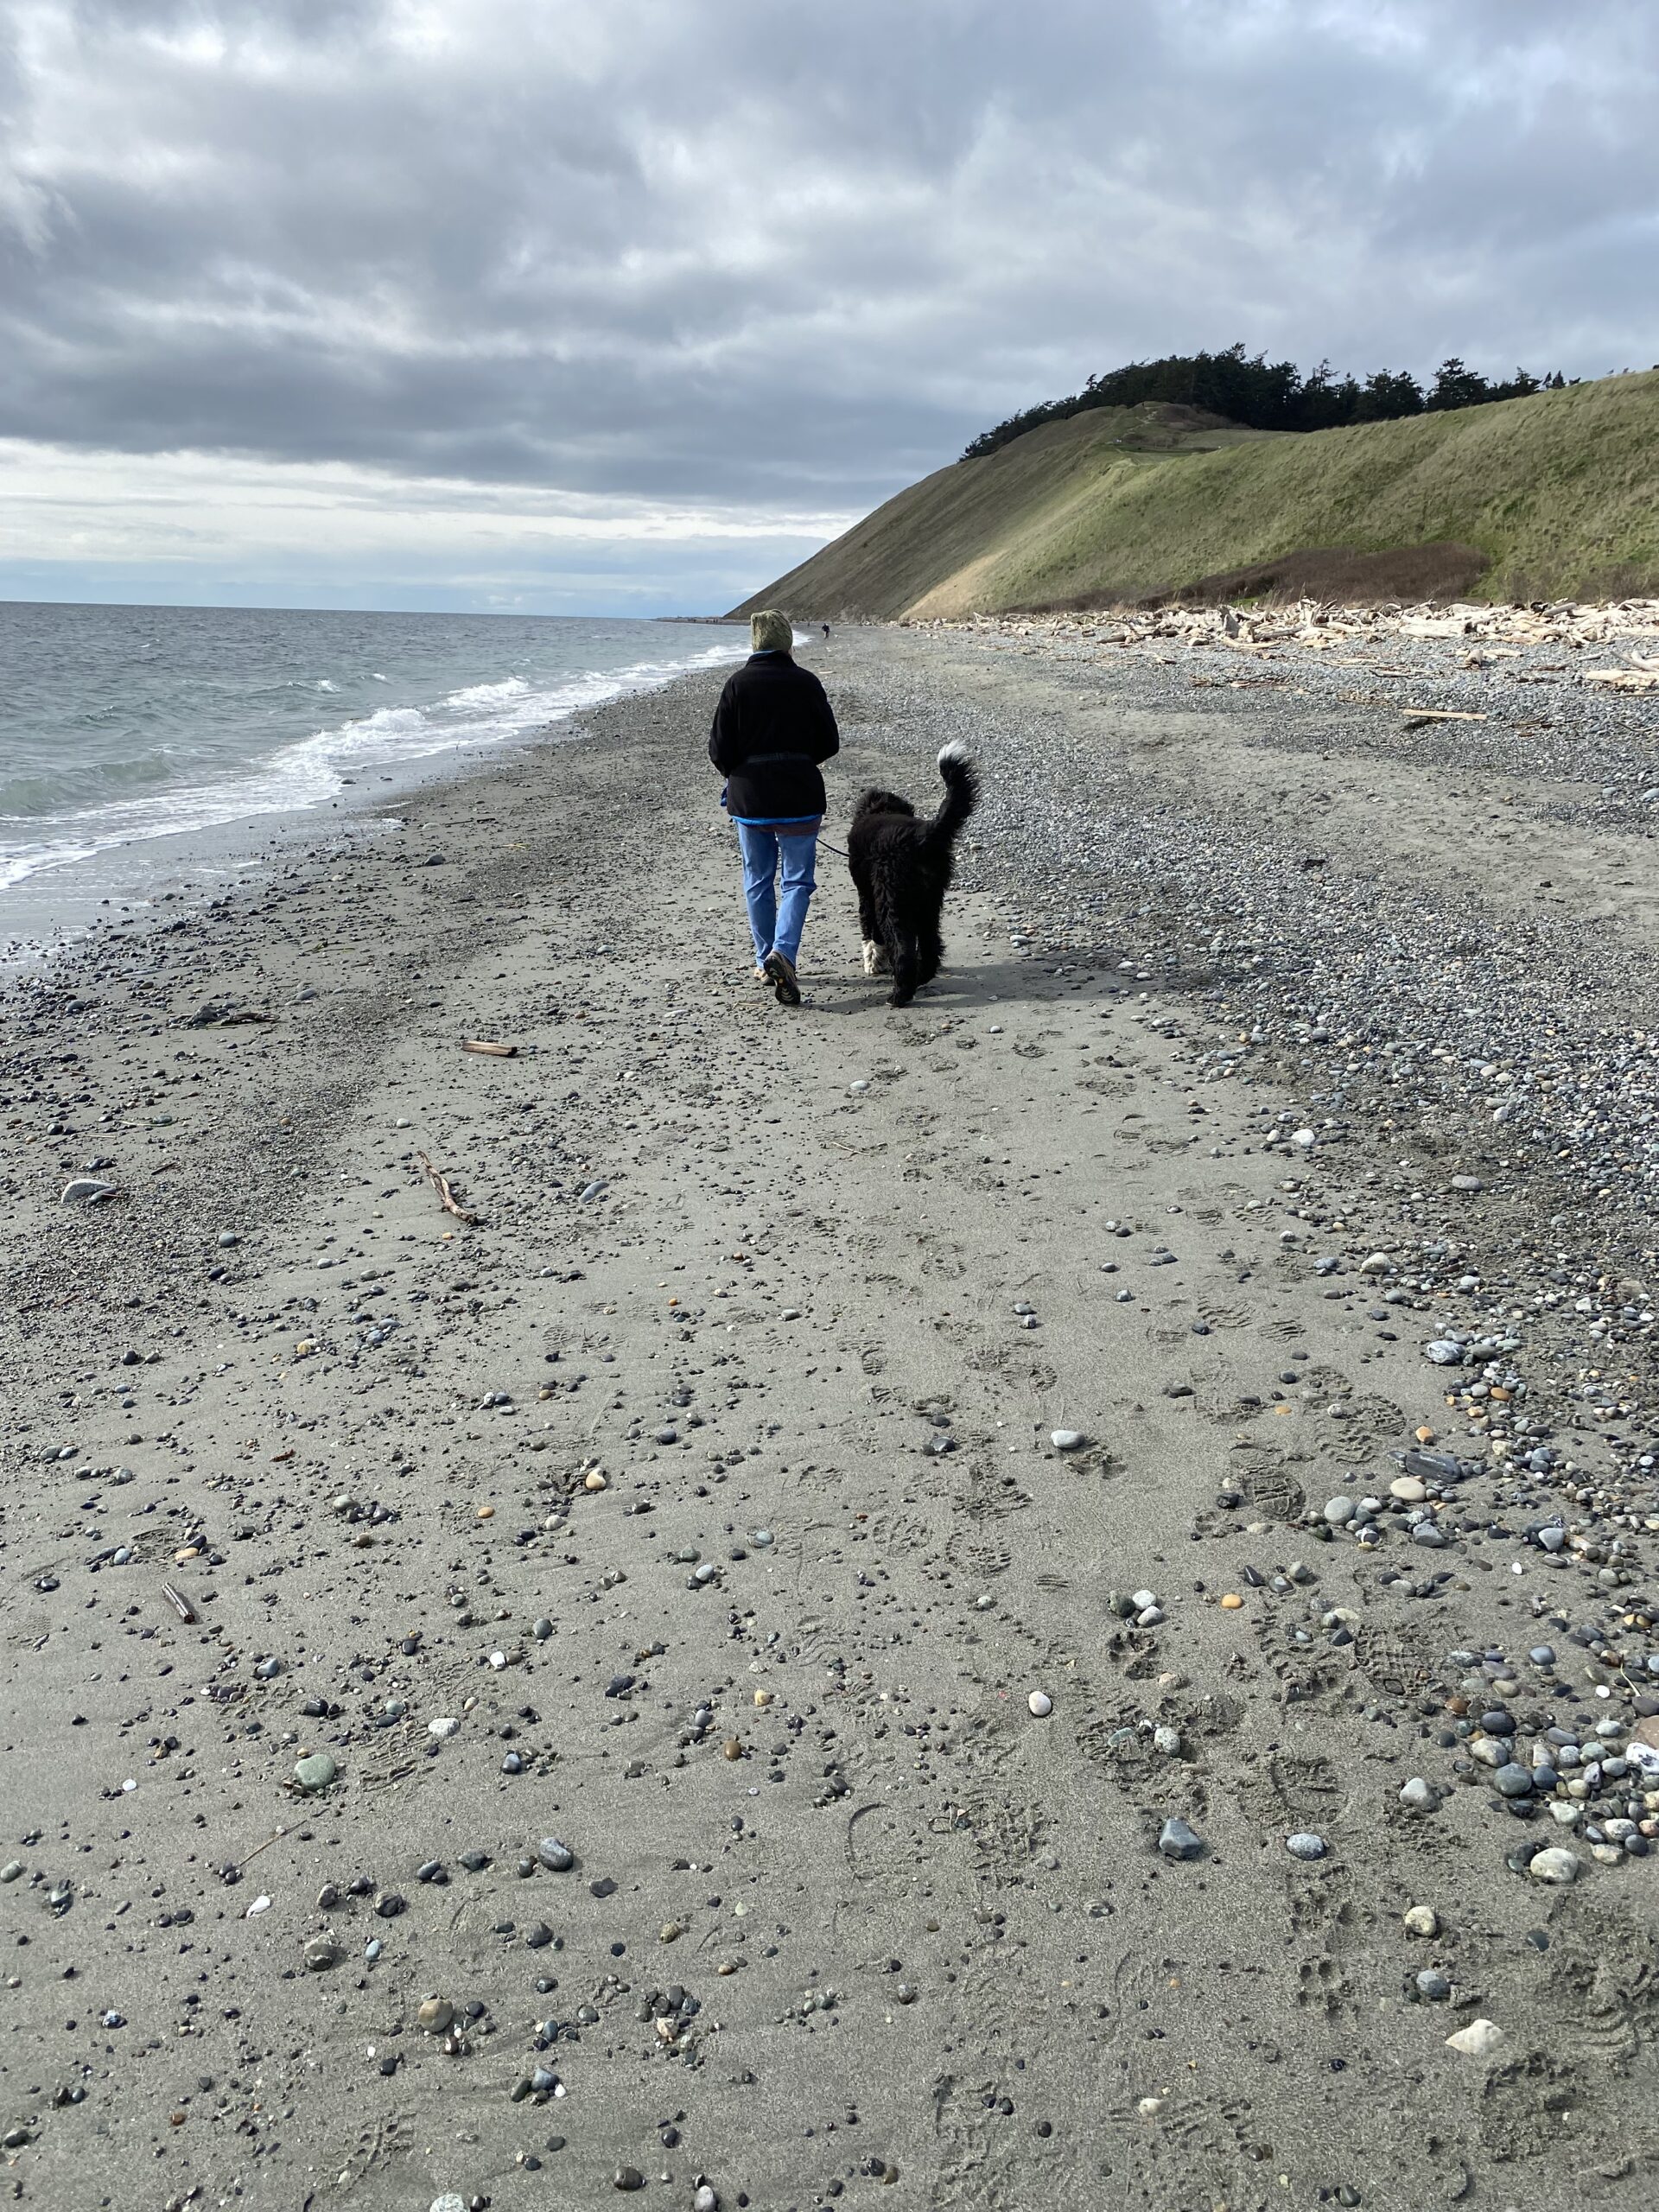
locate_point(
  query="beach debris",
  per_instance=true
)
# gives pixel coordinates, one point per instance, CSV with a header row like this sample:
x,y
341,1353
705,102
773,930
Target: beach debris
x,y
181,1605
87,1190
1479,2040
445,1190
1415,716
489,1047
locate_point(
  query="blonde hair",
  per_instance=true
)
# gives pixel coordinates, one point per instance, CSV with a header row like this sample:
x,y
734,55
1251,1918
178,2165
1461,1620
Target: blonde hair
x,y
772,633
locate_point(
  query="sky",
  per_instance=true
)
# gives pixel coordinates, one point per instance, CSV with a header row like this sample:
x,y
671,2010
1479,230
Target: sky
x,y
625,306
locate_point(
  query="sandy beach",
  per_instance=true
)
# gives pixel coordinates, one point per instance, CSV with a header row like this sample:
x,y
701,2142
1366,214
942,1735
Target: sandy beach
x,y
1026,1603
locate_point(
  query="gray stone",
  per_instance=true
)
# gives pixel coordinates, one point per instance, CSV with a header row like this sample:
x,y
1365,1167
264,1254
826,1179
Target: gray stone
x,y
556,1857
1556,1864
1514,1780
1177,1840
1305,1845
317,1770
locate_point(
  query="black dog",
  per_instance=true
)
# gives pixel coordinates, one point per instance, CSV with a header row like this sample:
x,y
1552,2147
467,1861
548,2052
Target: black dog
x,y
901,868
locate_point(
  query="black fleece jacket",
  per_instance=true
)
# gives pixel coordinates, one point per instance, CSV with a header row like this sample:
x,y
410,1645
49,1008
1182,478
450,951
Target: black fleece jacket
x,y
773,726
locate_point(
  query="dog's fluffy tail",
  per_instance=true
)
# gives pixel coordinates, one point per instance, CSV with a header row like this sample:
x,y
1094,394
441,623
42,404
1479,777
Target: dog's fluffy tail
x,y
961,796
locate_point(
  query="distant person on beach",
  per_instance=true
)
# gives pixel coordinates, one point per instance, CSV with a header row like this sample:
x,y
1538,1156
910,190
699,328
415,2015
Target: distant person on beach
x,y
772,727
826,633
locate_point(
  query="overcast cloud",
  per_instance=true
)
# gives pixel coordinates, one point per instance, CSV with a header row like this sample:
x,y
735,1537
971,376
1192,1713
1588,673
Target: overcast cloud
x,y
625,303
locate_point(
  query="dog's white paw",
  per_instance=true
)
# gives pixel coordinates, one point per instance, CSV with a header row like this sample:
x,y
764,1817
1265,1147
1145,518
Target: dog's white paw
x,y
875,957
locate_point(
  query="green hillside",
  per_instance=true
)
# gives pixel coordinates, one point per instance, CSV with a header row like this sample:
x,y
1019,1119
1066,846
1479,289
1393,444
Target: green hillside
x,y
1551,496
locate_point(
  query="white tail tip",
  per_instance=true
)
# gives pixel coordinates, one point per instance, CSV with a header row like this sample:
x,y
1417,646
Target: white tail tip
x,y
953,755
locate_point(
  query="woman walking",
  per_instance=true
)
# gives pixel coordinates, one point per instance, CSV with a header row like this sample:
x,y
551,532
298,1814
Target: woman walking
x,y
772,727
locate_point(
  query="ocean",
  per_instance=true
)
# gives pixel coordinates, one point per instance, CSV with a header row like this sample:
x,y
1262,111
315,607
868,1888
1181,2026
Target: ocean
x,y
144,745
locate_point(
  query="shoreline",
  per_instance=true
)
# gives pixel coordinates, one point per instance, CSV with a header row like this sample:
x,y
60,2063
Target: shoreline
x,y
1192,1154
60,894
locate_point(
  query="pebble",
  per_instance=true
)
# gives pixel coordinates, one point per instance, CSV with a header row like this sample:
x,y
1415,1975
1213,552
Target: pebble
x,y
436,2015
1479,2040
556,1856
443,1727
315,1771
1177,1840
1231,1602
627,2177
1339,1511
1067,1439
1040,1705
1305,1845
1556,1864
1421,1920
1419,1796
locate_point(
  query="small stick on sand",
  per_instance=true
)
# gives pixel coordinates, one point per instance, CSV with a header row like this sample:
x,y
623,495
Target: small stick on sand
x,y
485,1044
181,1605
447,1199
1440,714
241,1865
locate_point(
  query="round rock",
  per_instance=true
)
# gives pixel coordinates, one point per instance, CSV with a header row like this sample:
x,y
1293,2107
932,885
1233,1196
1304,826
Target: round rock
x,y
1305,1845
1556,1865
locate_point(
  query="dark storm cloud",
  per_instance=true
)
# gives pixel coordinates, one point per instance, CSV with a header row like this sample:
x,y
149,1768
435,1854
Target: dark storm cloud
x,y
773,256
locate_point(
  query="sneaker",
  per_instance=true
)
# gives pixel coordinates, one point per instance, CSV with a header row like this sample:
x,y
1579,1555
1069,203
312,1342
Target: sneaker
x,y
781,970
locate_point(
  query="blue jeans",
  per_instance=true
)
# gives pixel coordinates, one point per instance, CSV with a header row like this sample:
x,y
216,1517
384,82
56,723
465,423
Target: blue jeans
x,y
777,915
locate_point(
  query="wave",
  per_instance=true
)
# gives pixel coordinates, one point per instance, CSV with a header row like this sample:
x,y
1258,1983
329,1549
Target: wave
x,y
309,772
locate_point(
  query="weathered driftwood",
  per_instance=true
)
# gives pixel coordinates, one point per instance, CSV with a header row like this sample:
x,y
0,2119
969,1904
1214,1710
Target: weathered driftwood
x,y
447,1198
